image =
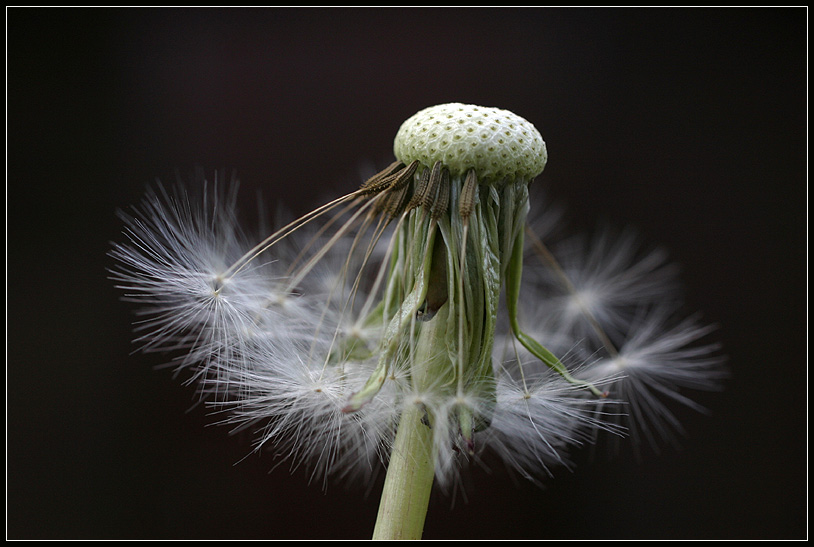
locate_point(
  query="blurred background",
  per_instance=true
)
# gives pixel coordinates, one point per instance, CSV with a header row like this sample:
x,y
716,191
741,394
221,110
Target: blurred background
x,y
688,124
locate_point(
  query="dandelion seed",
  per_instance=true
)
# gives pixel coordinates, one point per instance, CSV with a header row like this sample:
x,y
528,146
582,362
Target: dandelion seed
x,y
174,266
540,420
660,358
606,279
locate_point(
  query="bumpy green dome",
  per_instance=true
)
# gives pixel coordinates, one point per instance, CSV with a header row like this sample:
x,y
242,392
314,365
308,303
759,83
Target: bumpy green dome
x,y
496,143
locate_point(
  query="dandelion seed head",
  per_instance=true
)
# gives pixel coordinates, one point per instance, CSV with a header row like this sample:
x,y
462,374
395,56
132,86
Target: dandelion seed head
x,y
496,143
420,294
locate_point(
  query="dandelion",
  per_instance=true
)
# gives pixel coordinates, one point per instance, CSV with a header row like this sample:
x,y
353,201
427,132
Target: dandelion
x,y
395,326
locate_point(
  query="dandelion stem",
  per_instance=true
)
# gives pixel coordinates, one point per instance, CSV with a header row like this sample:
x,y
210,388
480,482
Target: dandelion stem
x,y
406,493
410,473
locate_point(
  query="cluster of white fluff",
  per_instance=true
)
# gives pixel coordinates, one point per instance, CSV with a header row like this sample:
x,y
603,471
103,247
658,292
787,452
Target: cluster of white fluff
x,y
276,340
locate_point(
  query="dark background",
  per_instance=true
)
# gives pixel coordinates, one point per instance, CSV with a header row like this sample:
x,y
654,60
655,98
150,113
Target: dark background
x,y
688,124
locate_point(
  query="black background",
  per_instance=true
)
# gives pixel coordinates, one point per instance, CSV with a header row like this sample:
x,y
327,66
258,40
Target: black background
x,y
688,124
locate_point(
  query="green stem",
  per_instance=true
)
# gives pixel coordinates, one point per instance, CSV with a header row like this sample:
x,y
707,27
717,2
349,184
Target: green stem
x,y
410,474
